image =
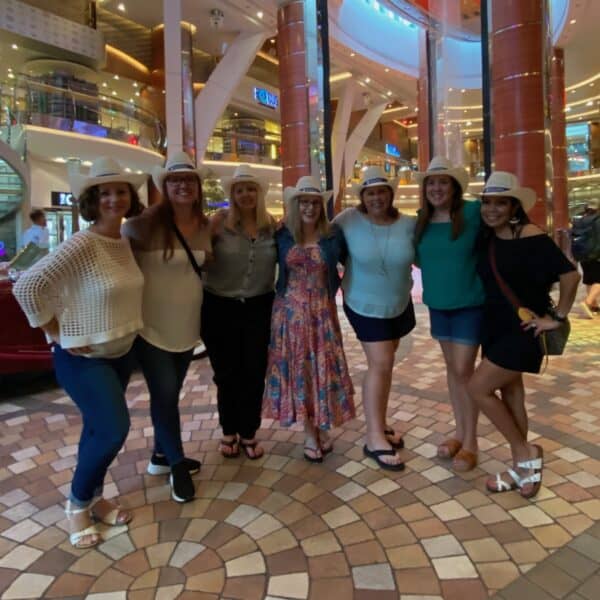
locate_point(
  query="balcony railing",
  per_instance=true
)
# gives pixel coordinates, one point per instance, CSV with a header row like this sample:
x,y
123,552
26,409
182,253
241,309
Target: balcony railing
x,y
31,102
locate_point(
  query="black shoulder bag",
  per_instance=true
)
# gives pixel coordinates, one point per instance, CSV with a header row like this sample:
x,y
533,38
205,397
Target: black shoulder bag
x,y
188,251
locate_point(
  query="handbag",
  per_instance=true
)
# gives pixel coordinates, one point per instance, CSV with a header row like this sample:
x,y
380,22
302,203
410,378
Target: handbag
x,y
552,342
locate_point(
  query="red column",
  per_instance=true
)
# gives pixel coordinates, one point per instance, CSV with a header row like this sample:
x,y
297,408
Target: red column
x,y
295,147
560,204
518,40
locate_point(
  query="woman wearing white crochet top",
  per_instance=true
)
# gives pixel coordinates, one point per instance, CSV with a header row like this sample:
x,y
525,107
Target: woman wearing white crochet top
x,y
87,297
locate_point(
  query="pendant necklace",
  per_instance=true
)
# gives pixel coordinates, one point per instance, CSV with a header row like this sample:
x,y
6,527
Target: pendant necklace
x,y
382,255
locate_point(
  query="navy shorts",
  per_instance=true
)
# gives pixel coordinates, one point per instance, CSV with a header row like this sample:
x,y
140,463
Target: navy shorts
x,y
459,325
376,329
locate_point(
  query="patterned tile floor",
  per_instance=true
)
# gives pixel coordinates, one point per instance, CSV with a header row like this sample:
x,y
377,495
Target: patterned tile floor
x,y
282,528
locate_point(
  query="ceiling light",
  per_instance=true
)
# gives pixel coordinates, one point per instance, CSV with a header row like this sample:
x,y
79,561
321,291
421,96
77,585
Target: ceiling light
x,y
387,70
367,80
352,54
590,103
573,21
389,93
104,84
135,84
114,93
121,7
463,91
116,77
137,93
15,47
11,75
260,14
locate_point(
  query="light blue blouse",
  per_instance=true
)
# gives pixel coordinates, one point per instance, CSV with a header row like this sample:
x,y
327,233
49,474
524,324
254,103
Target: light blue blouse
x,y
377,279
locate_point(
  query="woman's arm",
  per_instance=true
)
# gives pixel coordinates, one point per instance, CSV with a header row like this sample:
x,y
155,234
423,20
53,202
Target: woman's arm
x,y
567,286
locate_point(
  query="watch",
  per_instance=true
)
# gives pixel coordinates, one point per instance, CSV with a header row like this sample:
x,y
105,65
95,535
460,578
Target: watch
x,y
559,318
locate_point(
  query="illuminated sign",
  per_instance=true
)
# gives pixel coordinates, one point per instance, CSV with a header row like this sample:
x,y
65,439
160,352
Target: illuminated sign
x,y
392,150
61,199
266,98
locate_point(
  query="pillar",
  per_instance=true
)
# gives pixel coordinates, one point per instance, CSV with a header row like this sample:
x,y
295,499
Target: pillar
x,y
560,203
519,35
295,134
423,118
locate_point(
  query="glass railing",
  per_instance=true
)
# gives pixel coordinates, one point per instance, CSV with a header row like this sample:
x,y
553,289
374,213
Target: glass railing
x,y
30,102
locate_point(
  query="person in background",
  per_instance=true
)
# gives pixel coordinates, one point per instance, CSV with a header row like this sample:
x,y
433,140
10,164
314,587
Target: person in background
x,y
236,311
38,232
170,241
445,239
518,263
376,285
87,297
307,374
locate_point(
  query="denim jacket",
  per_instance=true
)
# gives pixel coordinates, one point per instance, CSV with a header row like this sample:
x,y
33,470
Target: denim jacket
x,y
333,250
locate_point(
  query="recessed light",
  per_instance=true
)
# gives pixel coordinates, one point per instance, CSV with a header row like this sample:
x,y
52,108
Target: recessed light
x,y
114,93
573,21
352,54
260,14
121,7
116,77
135,84
11,75
137,93
387,70
389,93
590,103
15,47
463,91
104,84
367,80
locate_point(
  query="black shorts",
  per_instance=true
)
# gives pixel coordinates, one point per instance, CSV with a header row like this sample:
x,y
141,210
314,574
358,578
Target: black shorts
x,y
376,329
591,271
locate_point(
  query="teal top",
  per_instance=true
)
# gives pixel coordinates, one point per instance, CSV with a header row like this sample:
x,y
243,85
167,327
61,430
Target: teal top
x,y
377,278
447,266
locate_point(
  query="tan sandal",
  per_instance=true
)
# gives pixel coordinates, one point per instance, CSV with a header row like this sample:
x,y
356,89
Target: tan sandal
x,y
116,516
464,460
77,538
449,448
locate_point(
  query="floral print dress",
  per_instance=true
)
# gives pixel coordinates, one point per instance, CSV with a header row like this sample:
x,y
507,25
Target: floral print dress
x,y
307,376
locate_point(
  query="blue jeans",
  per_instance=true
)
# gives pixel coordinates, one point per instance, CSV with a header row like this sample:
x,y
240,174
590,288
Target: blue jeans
x,y
164,372
97,386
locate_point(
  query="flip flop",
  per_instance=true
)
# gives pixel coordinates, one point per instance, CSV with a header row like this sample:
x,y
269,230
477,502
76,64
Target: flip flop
x,y
464,460
313,459
394,443
246,446
376,454
233,445
452,446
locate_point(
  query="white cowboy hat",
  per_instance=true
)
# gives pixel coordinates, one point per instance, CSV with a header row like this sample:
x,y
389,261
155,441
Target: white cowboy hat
x,y
306,186
244,174
104,170
372,176
501,183
179,162
440,165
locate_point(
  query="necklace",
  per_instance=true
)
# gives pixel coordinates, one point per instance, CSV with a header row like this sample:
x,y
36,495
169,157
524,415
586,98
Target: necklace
x,y
382,254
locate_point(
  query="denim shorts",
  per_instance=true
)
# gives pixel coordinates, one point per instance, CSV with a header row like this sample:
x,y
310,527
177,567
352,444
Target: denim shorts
x,y
458,325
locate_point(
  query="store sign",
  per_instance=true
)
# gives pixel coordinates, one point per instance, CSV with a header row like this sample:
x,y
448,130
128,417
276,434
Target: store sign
x,y
266,98
62,199
392,150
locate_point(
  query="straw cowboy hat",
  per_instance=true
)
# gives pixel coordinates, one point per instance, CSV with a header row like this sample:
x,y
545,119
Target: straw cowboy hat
x,y
373,176
501,183
306,186
179,162
440,165
244,174
104,170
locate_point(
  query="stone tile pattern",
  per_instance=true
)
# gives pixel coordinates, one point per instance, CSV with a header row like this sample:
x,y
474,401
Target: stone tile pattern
x,y
282,528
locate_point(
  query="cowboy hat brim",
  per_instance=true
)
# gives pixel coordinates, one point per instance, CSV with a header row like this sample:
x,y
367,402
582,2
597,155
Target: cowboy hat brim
x,y
526,196
80,183
159,174
227,182
357,188
457,173
290,192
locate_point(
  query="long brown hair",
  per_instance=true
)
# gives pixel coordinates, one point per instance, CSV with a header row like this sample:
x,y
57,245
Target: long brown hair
x,y
392,211
163,218
457,218
293,220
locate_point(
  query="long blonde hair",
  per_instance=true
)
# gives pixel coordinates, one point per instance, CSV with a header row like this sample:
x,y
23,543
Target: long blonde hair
x,y
263,219
294,222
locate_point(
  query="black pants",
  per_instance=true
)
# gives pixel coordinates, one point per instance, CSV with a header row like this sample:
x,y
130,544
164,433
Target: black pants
x,y
236,335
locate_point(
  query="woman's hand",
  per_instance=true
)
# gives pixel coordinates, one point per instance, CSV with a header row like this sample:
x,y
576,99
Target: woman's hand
x,y
540,324
79,351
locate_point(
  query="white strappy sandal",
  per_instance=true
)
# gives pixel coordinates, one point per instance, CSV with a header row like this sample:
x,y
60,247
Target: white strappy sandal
x,y
536,465
502,486
91,531
112,517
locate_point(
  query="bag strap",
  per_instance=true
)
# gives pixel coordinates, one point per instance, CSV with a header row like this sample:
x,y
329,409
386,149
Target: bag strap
x,y
187,249
508,293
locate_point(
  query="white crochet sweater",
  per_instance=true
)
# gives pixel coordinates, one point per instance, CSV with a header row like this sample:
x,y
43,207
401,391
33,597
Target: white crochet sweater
x,y
93,286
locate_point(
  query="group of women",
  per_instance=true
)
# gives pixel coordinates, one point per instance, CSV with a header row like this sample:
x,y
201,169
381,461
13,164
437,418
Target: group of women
x,y
143,292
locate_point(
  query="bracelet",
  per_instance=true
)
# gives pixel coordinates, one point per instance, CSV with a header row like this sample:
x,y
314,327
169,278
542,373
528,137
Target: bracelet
x,y
559,318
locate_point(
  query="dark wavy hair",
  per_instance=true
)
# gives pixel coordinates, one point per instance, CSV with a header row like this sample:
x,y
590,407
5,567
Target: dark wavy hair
x,y
456,211
163,218
89,203
486,232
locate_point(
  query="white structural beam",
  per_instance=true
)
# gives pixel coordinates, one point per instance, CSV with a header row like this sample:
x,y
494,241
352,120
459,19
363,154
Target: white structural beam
x,y
221,84
340,130
173,78
359,135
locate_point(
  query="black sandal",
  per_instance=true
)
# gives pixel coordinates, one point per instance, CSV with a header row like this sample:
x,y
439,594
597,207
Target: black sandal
x,y
375,455
233,445
390,433
313,459
246,446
